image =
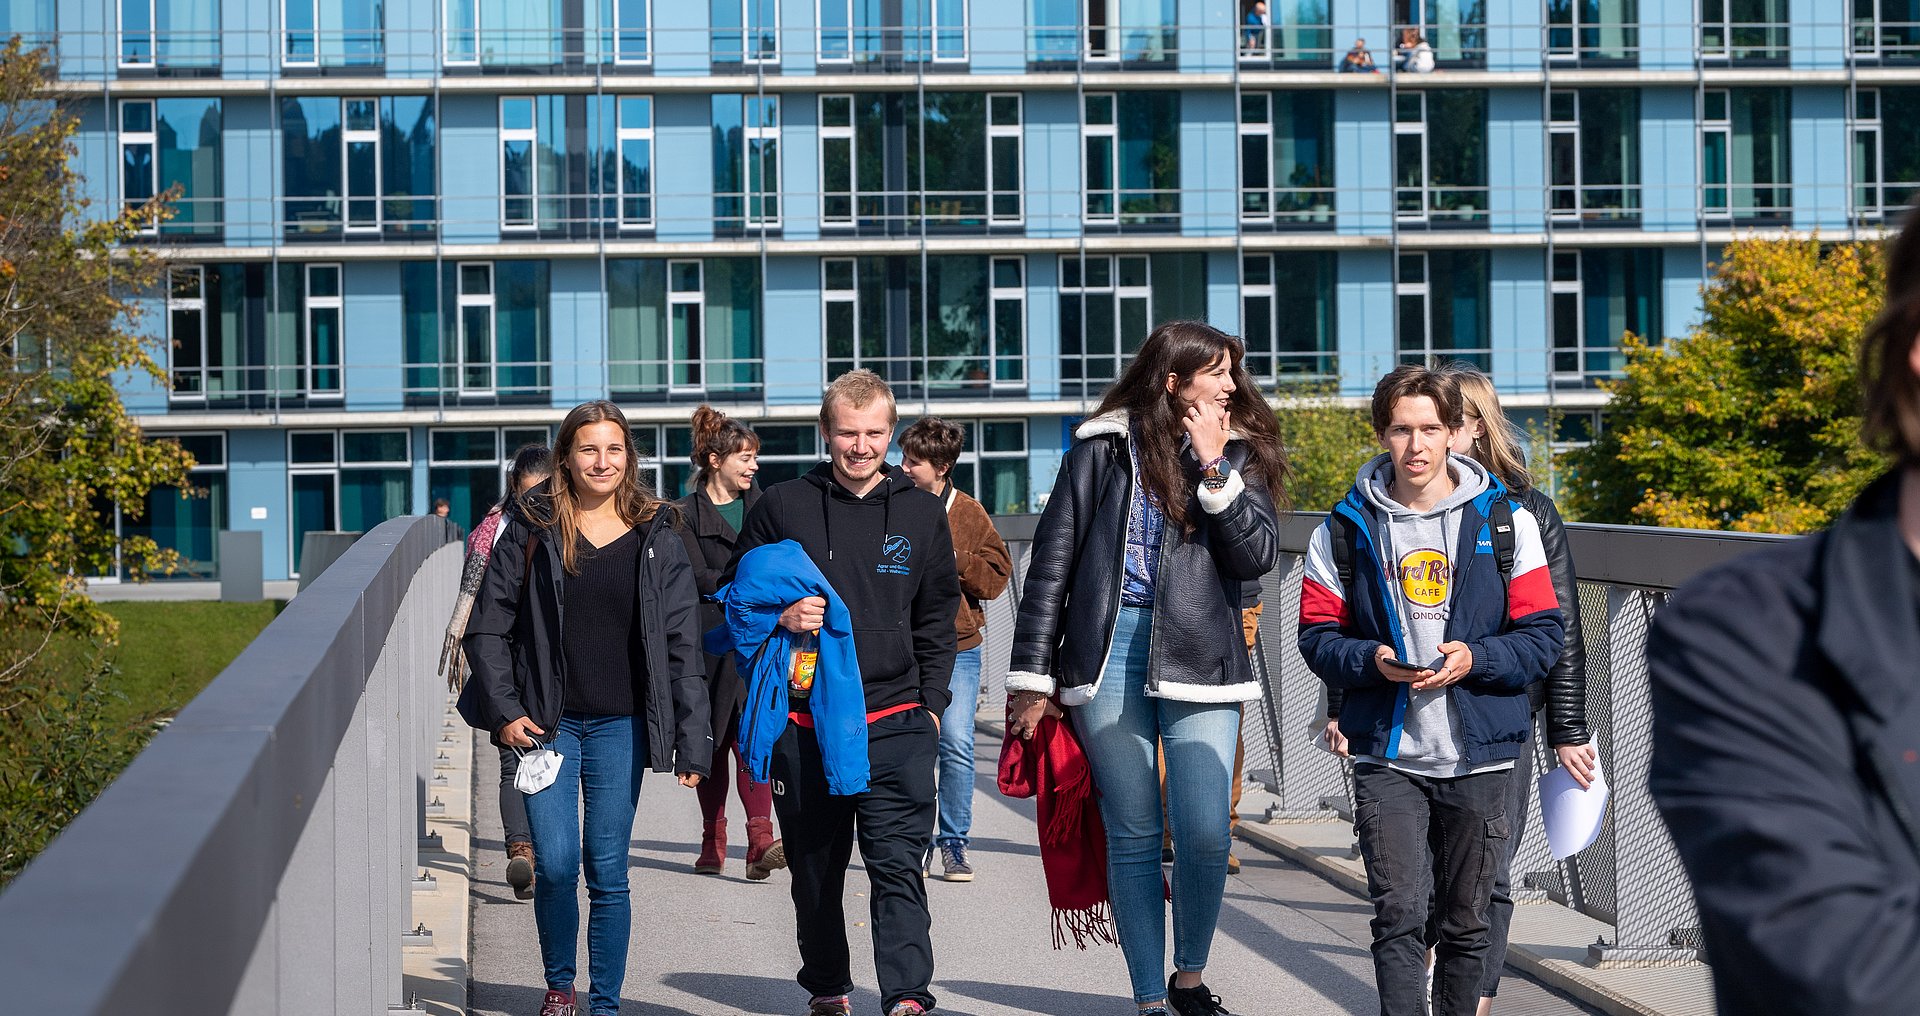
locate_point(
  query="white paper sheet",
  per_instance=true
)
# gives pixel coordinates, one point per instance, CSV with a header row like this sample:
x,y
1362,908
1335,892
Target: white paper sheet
x,y
1573,816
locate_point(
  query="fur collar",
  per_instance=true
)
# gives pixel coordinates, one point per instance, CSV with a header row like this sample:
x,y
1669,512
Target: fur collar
x,y
1115,423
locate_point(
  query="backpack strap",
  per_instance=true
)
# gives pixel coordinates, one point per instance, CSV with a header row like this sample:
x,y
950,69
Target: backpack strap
x,y
1500,528
1344,543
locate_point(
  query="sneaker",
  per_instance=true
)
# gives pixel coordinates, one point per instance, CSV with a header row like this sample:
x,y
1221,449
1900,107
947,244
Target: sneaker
x,y
520,869
908,1007
1194,1001
953,863
830,1005
558,1003
926,864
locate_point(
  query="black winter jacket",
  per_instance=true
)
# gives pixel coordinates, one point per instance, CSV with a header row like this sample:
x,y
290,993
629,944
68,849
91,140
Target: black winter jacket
x,y
889,555
513,642
1072,592
1786,762
710,542
1564,692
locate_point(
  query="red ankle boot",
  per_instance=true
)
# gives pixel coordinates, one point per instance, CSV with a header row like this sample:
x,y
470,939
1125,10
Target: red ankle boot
x,y
764,853
713,848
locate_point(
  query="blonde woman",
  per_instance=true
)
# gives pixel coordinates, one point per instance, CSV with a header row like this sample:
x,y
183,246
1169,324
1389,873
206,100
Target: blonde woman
x,y
619,686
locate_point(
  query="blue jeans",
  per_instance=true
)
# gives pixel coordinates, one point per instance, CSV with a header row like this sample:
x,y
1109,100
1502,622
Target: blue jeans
x,y
1118,729
956,750
605,757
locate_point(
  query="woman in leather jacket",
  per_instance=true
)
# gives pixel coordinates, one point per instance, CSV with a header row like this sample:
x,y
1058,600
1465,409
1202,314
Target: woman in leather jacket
x,y
1130,619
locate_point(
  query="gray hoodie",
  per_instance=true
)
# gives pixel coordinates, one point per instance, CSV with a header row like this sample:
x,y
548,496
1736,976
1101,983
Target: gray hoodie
x,y
1422,544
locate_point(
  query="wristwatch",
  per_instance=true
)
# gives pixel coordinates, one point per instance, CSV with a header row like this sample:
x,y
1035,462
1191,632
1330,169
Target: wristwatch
x,y
1214,474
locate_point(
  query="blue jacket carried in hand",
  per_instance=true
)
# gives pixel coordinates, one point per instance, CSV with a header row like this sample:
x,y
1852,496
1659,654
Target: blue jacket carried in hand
x,y
767,580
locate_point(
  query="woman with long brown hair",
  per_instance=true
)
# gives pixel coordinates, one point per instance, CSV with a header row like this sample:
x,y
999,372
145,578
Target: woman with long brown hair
x,y
1160,513
726,455
617,686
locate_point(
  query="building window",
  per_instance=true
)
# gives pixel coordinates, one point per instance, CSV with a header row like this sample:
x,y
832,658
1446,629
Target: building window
x,y
474,350
1441,305
173,142
1141,31
630,25
1886,29
331,33
895,161
1132,158
787,450
1286,157
1440,156
169,33
993,464
936,325
1456,29
1744,153
1290,31
745,31
523,158
1008,339
345,481
476,330
322,331
358,164
187,520
1287,301
36,22
1743,30
683,327
1593,30
1886,163
1593,141
469,467
187,332
1599,295
746,161
862,31
635,180
1106,308
854,330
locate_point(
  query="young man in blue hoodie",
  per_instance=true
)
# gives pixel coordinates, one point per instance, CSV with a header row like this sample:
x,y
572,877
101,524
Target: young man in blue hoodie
x,y
1434,739
884,547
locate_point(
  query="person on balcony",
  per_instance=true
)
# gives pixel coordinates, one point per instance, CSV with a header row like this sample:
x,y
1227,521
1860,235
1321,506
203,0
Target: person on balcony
x,y
928,450
726,455
1413,55
532,464
885,547
1429,602
1131,621
1786,727
617,686
1359,60
1253,38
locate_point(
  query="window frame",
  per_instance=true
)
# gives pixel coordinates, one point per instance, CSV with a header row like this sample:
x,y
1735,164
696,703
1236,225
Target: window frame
x,y
1115,291
349,137
531,136
763,197
830,298
1260,129
1108,134
1558,345
462,301
1422,289
996,296
1556,130
449,32
696,360
1722,127
151,139
310,303
333,469
198,305
995,133
151,34
748,32
622,134
1425,189
1873,183
619,33
848,134
287,57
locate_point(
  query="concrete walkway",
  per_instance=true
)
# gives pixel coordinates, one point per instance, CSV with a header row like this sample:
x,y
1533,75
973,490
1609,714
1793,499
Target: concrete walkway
x,y
1288,941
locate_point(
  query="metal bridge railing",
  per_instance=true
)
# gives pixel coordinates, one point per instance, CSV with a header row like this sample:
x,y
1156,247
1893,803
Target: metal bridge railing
x,y
257,856
1631,877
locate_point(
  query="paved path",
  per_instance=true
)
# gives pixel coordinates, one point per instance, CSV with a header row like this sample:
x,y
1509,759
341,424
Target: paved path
x,y
711,946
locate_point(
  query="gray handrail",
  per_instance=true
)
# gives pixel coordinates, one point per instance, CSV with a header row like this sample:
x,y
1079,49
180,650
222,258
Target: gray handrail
x,y
279,805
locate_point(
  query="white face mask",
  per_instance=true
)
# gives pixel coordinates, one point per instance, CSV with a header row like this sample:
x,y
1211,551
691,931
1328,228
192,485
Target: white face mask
x,y
538,769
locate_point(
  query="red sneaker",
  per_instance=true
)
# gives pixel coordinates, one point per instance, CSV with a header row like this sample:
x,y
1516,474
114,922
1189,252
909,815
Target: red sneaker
x,y
558,1003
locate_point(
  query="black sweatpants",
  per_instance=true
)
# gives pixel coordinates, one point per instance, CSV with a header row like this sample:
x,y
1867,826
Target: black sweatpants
x,y
894,822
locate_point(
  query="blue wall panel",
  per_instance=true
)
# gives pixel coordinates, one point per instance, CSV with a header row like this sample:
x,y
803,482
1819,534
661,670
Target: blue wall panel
x,y
1516,161
997,38
1363,162
1209,164
1682,273
680,39
1043,326
793,336
370,333
1669,159
683,137
257,478
1364,312
1052,153
1819,156
470,167
579,303
249,156
1514,31
799,166
1518,315
1819,34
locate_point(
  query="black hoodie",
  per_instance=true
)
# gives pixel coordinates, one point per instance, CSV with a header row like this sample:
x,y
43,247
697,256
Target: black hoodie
x,y
890,557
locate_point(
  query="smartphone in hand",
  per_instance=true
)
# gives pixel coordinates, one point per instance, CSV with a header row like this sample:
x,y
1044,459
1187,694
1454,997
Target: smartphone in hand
x,y
1402,665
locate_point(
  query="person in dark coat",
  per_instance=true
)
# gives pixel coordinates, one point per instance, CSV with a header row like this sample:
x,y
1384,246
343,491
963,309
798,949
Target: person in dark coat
x,y
584,639
726,455
1786,728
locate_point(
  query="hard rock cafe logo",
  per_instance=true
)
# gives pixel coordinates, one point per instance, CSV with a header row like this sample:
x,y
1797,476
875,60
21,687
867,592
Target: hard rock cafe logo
x,y
1424,575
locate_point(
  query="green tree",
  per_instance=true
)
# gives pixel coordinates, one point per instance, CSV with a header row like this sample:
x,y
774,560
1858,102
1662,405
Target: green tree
x,y
1750,422
1327,441
70,455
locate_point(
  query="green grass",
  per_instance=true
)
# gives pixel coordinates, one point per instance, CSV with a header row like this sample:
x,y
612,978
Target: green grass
x,y
167,653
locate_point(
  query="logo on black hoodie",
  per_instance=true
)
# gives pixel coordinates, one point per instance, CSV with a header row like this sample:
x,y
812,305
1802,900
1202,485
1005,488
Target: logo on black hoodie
x,y
897,550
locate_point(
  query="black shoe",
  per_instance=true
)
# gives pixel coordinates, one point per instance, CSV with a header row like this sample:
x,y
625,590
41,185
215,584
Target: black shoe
x,y
1194,1001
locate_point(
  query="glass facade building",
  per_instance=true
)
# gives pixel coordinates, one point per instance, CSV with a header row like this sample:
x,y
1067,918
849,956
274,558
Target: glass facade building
x,y
411,233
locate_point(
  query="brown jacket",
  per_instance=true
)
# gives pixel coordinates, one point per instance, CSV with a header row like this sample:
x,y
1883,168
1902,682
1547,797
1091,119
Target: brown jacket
x,y
983,561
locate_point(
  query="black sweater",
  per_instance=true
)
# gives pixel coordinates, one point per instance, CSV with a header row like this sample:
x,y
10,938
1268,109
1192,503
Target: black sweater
x,y
890,557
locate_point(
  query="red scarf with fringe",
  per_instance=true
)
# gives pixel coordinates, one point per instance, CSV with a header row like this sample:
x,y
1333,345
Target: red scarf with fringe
x,y
1073,841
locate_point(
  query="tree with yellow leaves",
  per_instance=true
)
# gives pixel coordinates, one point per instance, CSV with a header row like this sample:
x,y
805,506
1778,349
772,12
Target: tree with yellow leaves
x,y
1750,422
